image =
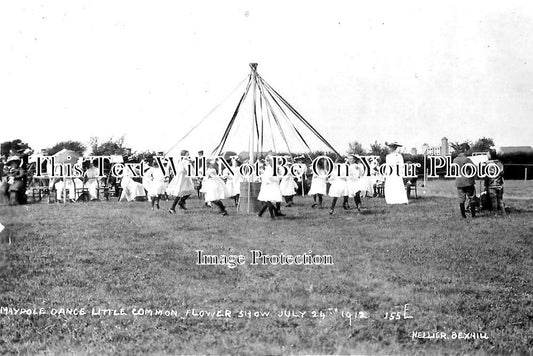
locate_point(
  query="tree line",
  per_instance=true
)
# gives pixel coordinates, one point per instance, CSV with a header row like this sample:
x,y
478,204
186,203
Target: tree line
x,y
96,147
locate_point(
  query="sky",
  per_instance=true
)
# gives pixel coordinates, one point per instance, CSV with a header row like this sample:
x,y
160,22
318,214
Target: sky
x,y
406,71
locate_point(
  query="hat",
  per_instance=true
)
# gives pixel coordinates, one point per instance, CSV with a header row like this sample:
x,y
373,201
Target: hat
x,y
200,153
12,159
394,144
184,153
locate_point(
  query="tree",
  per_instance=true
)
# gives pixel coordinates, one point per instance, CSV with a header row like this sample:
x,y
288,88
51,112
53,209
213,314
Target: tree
x,y
107,148
355,148
75,146
145,155
483,144
15,147
377,149
461,146
313,155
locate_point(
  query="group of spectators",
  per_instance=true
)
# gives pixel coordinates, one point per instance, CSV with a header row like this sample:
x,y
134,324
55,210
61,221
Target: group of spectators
x,y
490,199
17,178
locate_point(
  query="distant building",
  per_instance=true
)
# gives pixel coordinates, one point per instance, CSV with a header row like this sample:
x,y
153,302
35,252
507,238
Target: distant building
x,y
433,151
442,150
444,147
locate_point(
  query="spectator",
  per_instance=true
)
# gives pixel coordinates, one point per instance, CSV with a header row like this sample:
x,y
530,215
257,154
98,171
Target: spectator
x,y
394,188
494,186
465,186
92,181
14,188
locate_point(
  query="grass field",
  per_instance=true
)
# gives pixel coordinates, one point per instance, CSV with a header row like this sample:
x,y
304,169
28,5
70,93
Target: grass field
x,y
458,276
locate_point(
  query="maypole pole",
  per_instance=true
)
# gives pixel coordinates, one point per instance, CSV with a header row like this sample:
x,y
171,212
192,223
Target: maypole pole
x,y
254,90
253,66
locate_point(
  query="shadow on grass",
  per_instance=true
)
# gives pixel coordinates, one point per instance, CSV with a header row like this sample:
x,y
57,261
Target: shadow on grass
x,y
513,210
373,212
287,217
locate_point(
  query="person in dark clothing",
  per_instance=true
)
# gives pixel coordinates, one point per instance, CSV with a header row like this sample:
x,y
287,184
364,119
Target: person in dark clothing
x,y
465,186
14,188
494,186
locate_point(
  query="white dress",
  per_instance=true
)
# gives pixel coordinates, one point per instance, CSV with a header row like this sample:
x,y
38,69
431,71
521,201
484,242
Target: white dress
x,y
155,182
339,184
318,183
92,182
213,186
288,186
373,178
354,180
394,189
233,182
146,179
181,184
130,188
270,190
367,184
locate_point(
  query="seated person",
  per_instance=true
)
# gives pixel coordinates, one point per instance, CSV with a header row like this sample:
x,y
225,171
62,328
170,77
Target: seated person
x,y
92,182
130,188
71,185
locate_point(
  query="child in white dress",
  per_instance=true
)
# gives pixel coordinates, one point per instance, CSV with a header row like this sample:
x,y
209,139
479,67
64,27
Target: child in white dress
x,y
155,184
355,180
181,186
338,188
318,185
270,192
214,188
233,182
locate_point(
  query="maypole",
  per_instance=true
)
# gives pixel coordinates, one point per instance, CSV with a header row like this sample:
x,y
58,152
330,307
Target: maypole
x,y
252,132
263,92
254,116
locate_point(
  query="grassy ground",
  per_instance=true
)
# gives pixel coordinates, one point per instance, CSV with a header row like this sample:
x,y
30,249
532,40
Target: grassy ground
x,y
457,275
